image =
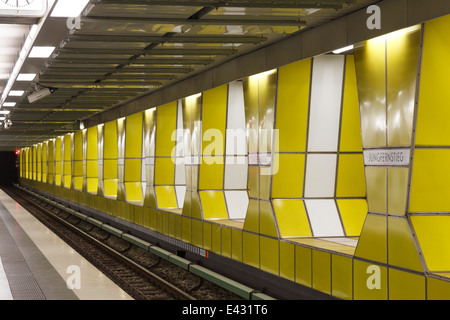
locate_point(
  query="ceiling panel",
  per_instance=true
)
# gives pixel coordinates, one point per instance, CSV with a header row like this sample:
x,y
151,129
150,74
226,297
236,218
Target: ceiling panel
x,y
124,49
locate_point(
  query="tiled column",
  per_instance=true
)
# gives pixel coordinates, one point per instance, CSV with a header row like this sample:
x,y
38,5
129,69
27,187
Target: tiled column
x,y
78,162
110,159
387,70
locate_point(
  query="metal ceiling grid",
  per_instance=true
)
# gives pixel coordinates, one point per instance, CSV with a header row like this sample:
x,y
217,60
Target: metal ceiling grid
x,y
124,49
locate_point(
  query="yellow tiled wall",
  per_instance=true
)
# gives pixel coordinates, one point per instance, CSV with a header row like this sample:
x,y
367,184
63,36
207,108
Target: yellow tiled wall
x,y
314,213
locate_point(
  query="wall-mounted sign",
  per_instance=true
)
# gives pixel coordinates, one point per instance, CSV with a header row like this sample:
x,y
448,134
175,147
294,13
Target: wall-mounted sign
x,y
387,157
260,159
23,8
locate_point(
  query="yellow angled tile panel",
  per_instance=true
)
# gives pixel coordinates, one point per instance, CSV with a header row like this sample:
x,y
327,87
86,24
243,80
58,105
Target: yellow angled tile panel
x,y
57,149
288,181
303,260
430,190
370,281
216,237
92,169
67,147
67,181
353,213
134,191
197,231
342,277
264,183
376,189
438,289
251,90
293,102
78,183
211,174
133,169
213,205
287,260
195,211
252,217
186,229
251,249
351,180
226,242
397,190
166,119
236,244
164,171
110,169
406,286
402,69
267,219
78,168
401,248
110,188
267,100
433,113
291,218
92,143
321,271
92,185
214,116
110,147
166,196
371,75
207,235
434,238
133,145
351,140
372,243
78,145
253,181
269,255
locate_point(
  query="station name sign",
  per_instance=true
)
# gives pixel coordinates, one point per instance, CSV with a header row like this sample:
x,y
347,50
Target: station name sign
x,y
387,157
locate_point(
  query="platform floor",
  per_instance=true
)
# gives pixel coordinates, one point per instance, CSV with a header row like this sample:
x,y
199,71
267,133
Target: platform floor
x,y
35,264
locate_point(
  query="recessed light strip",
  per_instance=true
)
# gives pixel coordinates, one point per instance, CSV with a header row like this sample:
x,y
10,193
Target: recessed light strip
x,y
34,31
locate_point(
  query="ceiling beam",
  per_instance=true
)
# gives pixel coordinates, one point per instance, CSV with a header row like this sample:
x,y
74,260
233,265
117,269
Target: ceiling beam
x,y
169,51
147,61
293,4
166,39
87,70
222,21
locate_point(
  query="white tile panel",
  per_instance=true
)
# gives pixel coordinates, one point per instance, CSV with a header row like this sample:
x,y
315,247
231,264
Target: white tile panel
x,y
236,172
236,139
320,175
324,218
237,203
326,96
180,192
180,172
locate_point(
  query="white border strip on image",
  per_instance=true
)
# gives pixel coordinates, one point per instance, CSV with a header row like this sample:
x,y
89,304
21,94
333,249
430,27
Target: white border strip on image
x,y
5,290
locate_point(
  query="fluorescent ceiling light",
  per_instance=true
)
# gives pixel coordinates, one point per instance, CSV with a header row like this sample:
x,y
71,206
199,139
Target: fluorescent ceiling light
x,y
16,93
69,8
41,52
5,112
26,77
2,118
9,104
338,51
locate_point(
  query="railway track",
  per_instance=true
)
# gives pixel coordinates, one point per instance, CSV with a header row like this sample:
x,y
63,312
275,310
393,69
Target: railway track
x,y
142,275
